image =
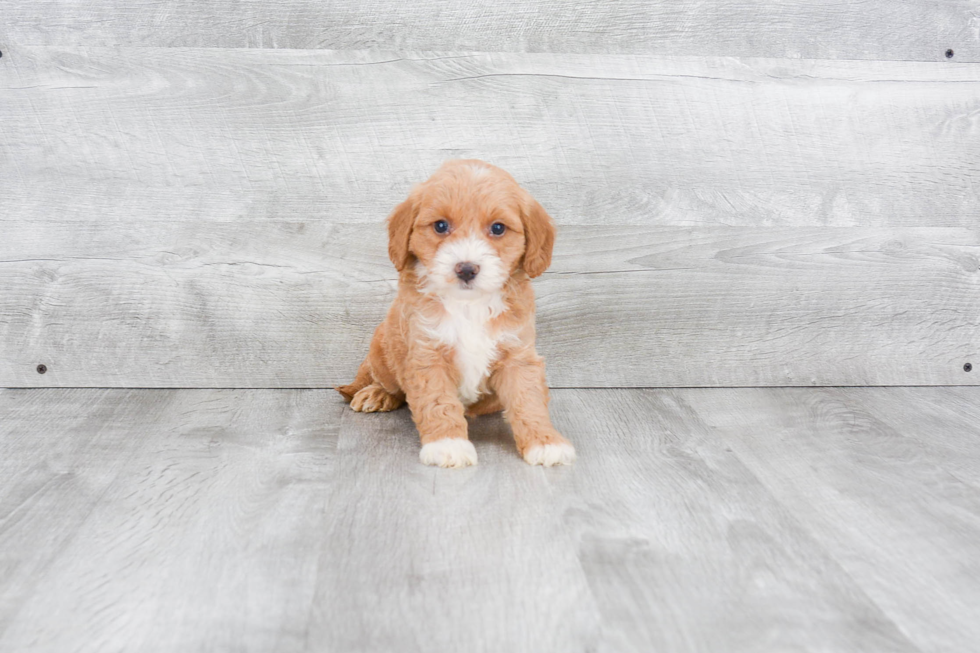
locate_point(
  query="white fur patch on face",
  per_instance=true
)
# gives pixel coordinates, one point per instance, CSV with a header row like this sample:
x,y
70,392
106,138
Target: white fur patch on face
x,y
551,454
448,452
440,277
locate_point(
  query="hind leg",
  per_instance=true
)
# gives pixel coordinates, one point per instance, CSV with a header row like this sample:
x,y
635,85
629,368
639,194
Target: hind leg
x,y
485,406
374,373
362,380
375,399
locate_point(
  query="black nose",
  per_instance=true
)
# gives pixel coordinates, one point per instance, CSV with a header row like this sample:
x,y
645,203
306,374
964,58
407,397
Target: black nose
x,y
466,271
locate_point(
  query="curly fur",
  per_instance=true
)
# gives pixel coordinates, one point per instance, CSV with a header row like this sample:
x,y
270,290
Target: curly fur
x,y
452,347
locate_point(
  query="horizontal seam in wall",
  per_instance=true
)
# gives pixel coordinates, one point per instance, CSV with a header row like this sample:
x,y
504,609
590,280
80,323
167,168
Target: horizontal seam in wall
x,y
455,52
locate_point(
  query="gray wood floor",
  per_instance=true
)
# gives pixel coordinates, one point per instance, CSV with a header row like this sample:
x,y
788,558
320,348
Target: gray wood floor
x,y
695,520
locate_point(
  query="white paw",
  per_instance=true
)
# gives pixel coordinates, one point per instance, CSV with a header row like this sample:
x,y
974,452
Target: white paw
x,y
448,452
562,453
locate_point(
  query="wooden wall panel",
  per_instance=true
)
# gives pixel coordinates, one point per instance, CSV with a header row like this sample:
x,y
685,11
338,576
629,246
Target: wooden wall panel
x,y
212,217
267,304
161,134
707,521
877,29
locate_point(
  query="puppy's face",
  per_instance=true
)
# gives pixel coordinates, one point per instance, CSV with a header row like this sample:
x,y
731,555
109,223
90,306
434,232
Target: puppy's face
x,y
468,229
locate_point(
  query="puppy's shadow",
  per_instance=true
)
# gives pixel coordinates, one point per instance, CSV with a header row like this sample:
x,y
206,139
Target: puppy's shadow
x,y
492,437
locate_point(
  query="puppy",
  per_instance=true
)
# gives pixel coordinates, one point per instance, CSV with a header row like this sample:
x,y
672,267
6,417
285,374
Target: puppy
x,y
458,340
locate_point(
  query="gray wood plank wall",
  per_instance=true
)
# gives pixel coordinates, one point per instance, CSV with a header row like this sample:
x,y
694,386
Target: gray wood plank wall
x,y
293,304
201,216
919,30
143,134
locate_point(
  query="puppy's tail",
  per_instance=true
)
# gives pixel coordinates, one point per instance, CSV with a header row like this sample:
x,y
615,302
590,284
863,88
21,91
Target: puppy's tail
x,y
362,380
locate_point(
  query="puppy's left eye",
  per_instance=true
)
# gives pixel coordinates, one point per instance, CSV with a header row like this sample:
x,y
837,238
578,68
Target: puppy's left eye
x,y
498,228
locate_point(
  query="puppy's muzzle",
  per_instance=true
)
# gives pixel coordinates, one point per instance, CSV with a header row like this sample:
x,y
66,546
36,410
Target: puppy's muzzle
x,y
467,271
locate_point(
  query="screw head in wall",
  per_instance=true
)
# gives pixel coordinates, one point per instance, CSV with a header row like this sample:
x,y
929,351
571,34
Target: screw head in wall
x,y
42,368
950,53
967,367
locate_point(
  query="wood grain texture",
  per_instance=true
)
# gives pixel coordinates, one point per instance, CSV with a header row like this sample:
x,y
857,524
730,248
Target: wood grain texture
x,y
415,559
59,452
270,304
877,29
185,217
161,521
890,510
942,423
670,524
710,520
143,134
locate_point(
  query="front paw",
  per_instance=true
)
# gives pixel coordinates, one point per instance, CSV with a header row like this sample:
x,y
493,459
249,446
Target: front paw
x,y
448,452
556,451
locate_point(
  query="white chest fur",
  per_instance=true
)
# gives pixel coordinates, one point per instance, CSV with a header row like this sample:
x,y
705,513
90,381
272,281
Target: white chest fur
x,y
466,328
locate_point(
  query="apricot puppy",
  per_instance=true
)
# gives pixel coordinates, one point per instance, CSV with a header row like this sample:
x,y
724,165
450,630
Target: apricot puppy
x,y
459,338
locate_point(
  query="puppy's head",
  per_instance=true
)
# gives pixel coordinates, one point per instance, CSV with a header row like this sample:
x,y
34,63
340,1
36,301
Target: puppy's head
x,y
468,229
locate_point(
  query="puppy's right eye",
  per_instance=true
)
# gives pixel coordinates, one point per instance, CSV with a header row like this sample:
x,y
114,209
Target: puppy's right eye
x,y
441,226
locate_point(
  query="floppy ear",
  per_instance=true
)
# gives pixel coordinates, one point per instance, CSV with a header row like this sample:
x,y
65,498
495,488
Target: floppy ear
x,y
400,230
539,236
